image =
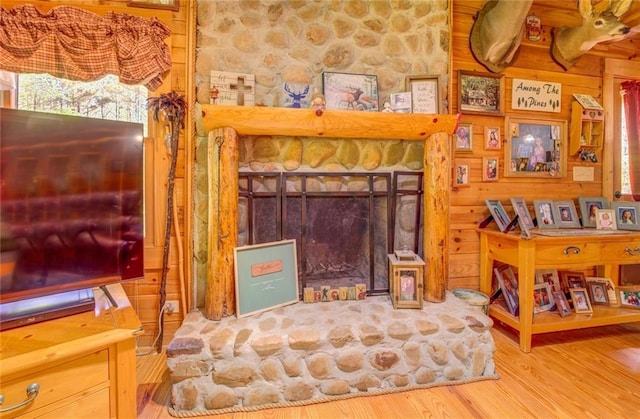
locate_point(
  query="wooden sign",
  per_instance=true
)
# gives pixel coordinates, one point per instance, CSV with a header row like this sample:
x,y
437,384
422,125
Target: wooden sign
x,y
533,95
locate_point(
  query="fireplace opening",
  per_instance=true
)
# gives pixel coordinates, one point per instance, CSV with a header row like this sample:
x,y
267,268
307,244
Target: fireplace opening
x,y
344,224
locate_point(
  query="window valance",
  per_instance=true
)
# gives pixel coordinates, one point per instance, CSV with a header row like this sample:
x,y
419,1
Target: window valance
x,y
76,44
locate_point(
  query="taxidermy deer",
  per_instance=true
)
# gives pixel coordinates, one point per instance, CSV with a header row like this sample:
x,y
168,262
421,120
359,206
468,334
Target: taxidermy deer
x,y
597,26
497,32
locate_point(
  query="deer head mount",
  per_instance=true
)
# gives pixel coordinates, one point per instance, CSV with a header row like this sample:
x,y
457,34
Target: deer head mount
x,y
569,44
497,32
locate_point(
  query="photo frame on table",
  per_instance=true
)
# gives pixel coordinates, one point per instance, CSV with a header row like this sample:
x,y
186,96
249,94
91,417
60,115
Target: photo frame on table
x,y
565,214
580,300
629,297
561,302
489,169
598,293
480,93
266,276
461,174
463,138
531,149
542,298
543,209
606,219
572,279
492,139
522,211
509,286
425,93
156,4
588,206
352,92
627,214
498,213
549,277
612,295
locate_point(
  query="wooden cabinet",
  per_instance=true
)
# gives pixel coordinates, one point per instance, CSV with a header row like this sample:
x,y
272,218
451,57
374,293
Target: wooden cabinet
x,y
587,129
567,252
83,366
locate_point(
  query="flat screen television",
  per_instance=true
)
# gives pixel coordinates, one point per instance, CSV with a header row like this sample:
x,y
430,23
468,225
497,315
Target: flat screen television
x,y
71,211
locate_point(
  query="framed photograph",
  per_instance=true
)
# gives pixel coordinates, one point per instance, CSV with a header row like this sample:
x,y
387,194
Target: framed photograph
x,y
489,169
549,277
580,299
492,138
543,209
498,213
626,214
610,288
462,139
573,279
352,92
531,149
522,211
542,298
565,214
598,293
401,102
588,207
425,93
560,300
629,297
509,286
480,93
606,219
461,175
266,276
156,4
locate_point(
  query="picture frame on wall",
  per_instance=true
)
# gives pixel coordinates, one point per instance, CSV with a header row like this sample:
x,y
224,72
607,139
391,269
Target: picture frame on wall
x,y
626,214
565,214
545,217
461,174
498,213
480,93
425,93
463,138
588,206
489,169
352,92
492,139
173,5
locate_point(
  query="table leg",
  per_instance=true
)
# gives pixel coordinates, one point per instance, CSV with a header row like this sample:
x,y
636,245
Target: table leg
x,y
526,280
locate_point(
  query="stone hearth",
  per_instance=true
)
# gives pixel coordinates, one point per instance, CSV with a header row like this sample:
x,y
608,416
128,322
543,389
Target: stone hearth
x,y
306,353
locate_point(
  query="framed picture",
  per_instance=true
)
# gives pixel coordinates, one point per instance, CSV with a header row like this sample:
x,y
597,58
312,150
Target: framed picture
x,y
549,277
462,139
480,93
561,303
606,219
156,4
498,213
266,276
629,297
542,298
461,175
425,93
588,207
489,169
580,299
573,279
353,92
509,286
598,293
543,209
565,214
401,102
626,215
531,149
522,211
609,287
492,138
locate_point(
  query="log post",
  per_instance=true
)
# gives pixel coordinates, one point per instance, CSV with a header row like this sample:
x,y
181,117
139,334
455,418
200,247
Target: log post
x,y
437,182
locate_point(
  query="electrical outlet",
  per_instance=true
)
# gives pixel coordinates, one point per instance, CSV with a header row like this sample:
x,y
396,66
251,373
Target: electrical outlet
x,y
171,307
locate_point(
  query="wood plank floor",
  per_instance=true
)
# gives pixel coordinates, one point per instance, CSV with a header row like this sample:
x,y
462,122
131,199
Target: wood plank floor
x,y
589,373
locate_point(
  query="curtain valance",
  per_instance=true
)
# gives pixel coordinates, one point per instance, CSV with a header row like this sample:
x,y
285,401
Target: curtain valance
x,y
76,44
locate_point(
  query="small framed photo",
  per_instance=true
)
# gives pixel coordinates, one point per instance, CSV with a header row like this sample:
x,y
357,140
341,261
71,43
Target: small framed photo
x,y
588,207
461,175
156,4
480,93
543,209
489,169
606,219
580,299
492,138
561,303
522,211
608,285
598,293
401,102
549,277
509,286
425,93
542,298
629,297
626,214
352,92
498,213
462,139
573,279
565,214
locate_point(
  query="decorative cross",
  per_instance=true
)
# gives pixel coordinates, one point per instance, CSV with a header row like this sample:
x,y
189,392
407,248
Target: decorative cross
x,y
241,88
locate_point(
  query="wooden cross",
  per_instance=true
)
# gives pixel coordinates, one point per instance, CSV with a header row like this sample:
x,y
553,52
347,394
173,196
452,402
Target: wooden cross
x,y
241,88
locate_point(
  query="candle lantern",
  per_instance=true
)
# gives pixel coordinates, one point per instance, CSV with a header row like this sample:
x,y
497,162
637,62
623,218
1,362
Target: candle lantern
x,y
406,273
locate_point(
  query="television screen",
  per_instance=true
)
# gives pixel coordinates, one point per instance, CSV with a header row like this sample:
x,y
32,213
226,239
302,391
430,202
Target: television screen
x,y
71,203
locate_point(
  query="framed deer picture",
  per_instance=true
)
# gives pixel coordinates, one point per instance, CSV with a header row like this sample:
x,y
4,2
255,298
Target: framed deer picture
x,y
350,92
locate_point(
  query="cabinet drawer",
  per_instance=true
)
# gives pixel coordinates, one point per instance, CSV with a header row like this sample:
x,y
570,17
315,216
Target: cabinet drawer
x,y
57,382
568,253
624,252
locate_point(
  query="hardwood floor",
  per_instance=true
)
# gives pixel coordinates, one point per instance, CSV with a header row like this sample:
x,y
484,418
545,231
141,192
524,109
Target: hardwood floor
x,y
590,373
